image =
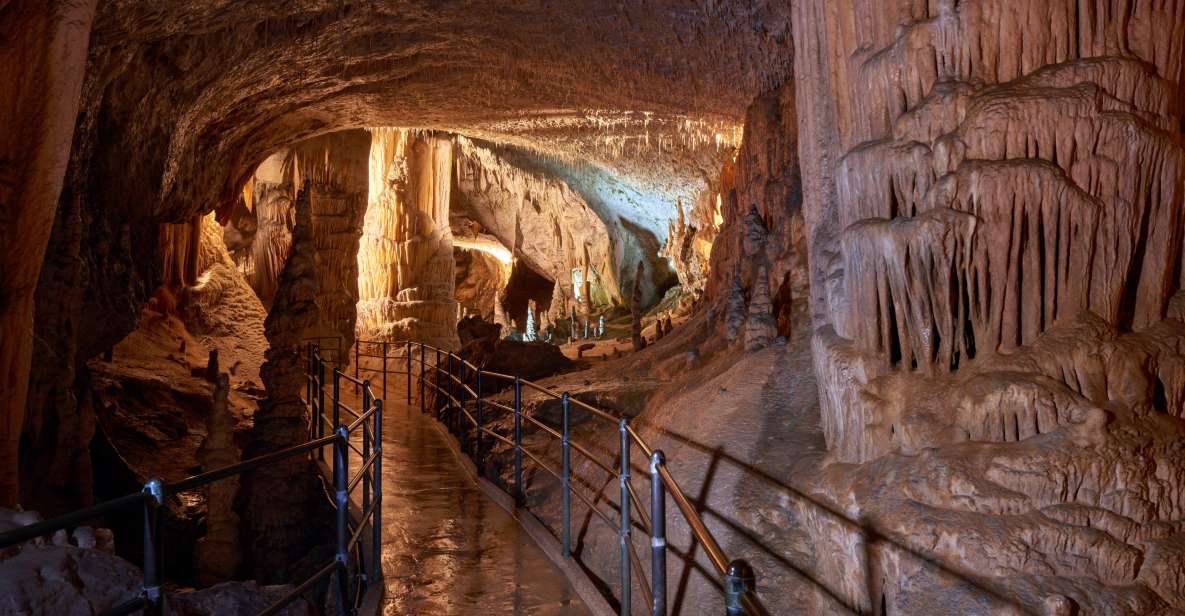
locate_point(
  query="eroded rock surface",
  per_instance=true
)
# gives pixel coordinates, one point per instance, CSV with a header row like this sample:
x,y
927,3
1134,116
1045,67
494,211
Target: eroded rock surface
x,y
994,221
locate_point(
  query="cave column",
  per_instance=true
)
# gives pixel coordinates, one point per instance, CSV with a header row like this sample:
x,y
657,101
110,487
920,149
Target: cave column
x,y
406,263
42,62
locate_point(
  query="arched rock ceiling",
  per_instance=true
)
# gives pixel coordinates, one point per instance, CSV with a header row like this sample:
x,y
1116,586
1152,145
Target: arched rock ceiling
x,y
201,91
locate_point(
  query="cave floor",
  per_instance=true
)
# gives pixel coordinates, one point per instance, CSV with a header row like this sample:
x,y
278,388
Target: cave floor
x,y
447,548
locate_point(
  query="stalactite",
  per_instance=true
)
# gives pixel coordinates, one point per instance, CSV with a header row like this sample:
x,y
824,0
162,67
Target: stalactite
x,y
179,246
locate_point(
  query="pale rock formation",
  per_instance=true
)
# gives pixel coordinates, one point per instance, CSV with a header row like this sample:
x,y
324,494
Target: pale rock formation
x,y
480,278
406,263
541,219
222,312
65,580
259,233
689,248
994,217
335,167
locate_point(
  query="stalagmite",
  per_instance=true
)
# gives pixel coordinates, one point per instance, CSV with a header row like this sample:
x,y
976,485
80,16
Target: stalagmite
x,y
529,334
278,497
636,311
760,328
217,556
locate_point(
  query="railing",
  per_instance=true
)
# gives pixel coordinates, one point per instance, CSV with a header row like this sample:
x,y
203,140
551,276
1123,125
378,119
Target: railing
x,y
464,380
349,586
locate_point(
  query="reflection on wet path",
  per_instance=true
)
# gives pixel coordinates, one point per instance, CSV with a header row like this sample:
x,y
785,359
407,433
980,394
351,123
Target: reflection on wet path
x,y
448,549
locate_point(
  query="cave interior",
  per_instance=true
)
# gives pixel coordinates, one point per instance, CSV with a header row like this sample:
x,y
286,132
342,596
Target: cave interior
x,y
896,286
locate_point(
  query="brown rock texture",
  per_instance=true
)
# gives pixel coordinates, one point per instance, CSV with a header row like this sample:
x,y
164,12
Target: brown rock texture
x,y
42,60
335,167
481,276
278,498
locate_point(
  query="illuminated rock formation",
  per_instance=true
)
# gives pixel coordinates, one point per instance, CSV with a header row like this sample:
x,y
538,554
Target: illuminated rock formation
x,y
334,168
541,219
406,264
481,277
259,233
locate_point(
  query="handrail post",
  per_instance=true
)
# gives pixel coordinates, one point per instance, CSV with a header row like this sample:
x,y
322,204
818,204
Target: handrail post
x,y
436,390
422,378
337,405
624,479
409,373
480,423
384,369
357,359
565,451
458,383
366,402
376,540
739,582
320,404
341,463
658,535
154,499
310,375
520,494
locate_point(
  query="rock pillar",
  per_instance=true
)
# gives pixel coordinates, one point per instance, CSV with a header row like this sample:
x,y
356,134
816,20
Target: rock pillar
x,y
42,62
406,263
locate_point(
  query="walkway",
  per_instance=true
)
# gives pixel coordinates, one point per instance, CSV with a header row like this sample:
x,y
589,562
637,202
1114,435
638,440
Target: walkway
x,y
448,550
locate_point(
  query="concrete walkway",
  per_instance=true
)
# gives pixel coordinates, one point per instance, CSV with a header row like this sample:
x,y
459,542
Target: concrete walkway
x,y
447,548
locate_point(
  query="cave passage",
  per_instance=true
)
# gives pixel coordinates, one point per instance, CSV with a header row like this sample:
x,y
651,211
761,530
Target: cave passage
x,y
892,290
447,547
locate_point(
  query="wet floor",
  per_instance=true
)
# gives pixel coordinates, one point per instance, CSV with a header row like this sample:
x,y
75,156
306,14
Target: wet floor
x,y
447,548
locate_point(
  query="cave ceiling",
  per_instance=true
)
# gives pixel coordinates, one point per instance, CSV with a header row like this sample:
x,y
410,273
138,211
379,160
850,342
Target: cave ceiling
x,y
651,92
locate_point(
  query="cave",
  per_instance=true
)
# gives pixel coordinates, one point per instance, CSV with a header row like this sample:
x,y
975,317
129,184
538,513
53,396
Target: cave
x,y
666,307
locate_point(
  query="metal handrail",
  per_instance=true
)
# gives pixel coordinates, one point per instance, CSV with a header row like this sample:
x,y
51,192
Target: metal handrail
x,y
150,601
736,575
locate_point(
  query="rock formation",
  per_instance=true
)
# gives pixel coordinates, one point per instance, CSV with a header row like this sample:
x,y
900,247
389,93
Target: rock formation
x,y
217,554
541,219
994,221
636,312
41,69
259,229
335,169
481,278
277,498
406,263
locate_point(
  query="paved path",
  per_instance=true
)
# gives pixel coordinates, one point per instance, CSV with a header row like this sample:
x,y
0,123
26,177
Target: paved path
x,y
447,548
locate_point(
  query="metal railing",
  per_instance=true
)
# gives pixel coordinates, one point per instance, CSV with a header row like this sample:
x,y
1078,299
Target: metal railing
x,y
463,380
353,577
